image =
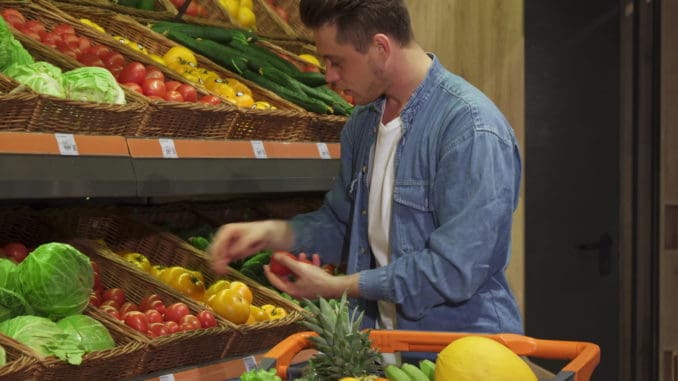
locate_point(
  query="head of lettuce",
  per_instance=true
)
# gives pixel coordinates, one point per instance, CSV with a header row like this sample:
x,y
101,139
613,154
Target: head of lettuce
x,y
56,280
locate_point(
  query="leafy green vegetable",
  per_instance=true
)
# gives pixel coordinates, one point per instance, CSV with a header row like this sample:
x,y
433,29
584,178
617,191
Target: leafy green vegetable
x,y
40,76
94,84
260,375
11,50
43,336
56,280
90,333
11,302
3,356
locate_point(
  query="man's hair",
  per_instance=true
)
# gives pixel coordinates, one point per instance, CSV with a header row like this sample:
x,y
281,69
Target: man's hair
x,y
358,21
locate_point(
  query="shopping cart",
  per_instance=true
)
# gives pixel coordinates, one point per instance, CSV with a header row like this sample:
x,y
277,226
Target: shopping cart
x,y
583,356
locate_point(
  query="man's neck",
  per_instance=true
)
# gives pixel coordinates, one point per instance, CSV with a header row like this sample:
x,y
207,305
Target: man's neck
x,y
410,69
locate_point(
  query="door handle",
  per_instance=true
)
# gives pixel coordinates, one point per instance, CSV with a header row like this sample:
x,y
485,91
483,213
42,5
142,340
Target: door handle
x,y
604,249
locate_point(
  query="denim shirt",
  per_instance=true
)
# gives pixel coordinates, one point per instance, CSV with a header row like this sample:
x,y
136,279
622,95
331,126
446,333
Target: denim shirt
x,y
457,179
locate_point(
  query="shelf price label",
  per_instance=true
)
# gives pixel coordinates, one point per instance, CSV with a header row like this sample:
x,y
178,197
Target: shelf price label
x,y
250,363
169,151
258,148
323,151
166,377
66,143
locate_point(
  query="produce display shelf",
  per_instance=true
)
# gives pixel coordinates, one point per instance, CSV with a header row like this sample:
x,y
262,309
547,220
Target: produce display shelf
x,y
43,165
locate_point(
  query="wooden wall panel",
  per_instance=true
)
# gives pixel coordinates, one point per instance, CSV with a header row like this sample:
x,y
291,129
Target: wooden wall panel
x,y
483,41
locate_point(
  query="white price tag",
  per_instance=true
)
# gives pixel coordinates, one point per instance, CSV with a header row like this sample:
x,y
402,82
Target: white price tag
x,y
66,143
258,148
168,149
166,377
323,151
250,363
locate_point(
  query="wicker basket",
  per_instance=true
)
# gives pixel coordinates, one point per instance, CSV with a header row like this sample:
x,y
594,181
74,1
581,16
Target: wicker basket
x,y
163,9
299,31
19,104
123,233
19,366
165,352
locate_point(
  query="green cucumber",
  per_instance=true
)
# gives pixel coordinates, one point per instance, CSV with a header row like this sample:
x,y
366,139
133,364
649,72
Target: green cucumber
x,y
300,99
213,33
221,54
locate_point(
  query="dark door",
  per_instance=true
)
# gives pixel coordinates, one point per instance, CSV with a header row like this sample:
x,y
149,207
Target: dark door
x,y
572,175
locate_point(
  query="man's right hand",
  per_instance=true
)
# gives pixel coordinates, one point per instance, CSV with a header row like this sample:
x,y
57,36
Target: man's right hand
x,y
240,240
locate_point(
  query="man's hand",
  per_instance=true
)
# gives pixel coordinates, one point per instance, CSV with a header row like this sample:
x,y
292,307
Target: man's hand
x,y
310,281
240,240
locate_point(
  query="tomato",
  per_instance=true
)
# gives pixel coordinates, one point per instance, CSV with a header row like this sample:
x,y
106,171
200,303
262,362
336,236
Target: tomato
x,y
153,316
157,329
135,87
132,72
138,260
172,85
63,28
13,13
230,305
173,96
152,72
207,319
110,302
137,320
278,268
15,21
189,323
112,311
16,250
97,50
153,86
28,32
176,311
188,92
112,59
172,326
90,60
115,294
34,26
127,307
94,299
146,302
69,42
210,100
50,39
84,43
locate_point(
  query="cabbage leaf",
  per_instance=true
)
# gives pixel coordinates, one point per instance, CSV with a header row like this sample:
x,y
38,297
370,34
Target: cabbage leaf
x,y
94,84
90,333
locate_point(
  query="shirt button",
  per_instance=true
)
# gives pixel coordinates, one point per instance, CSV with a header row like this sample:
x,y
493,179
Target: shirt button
x,y
364,212
362,250
364,168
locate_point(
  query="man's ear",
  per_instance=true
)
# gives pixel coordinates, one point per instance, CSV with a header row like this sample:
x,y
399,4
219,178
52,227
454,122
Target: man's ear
x,y
382,43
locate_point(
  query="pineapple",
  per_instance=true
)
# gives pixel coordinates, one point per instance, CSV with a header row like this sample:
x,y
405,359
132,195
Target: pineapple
x,y
345,351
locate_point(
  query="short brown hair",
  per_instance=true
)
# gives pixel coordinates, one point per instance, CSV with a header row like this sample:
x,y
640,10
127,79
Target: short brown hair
x,y
358,20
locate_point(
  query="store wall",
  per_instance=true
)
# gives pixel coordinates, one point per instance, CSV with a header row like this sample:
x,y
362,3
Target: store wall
x,y
483,42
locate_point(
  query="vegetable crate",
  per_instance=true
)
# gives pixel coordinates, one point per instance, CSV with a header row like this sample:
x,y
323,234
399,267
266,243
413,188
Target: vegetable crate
x,y
161,9
19,104
584,357
125,234
19,366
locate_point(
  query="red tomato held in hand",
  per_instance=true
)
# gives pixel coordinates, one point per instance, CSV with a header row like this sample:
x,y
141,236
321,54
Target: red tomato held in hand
x,y
16,250
189,323
173,96
188,92
207,319
137,320
153,86
176,311
278,268
115,294
132,72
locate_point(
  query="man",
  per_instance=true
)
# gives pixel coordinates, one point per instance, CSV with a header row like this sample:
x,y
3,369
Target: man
x,y
421,211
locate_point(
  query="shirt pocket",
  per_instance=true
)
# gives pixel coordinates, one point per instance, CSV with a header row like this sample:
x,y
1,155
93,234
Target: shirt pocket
x,y
412,214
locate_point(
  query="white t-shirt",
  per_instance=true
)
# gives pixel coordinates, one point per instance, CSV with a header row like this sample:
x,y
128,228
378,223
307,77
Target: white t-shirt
x,y
381,197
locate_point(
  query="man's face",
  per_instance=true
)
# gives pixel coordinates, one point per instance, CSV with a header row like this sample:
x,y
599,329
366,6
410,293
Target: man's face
x,y
359,74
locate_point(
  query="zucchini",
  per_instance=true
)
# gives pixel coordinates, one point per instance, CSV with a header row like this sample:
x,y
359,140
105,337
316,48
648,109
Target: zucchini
x,y
202,31
263,56
276,75
223,55
300,99
310,78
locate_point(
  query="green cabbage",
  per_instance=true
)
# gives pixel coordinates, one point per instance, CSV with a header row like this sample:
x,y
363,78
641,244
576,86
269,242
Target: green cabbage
x,y
56,280
11,50
3,356
11,302
90,333
40,76
43,336
94,84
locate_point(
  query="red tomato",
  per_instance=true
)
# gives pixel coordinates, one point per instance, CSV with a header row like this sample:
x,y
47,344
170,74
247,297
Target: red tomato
x,y
13,13
207,319
94,299
34,26
110,302
153,86
97,50
71,41
172,85
192,9
133,86
152,72
153,316
127,307
50,39
176,311
157,329
29,32
132,72
155,98
137,320
95,266
111,311
84,43
189,323
63,28
145,303
278,268
173,96
112,59
210,100
15,21
188,92
16,250
172,326
115,294
90,60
